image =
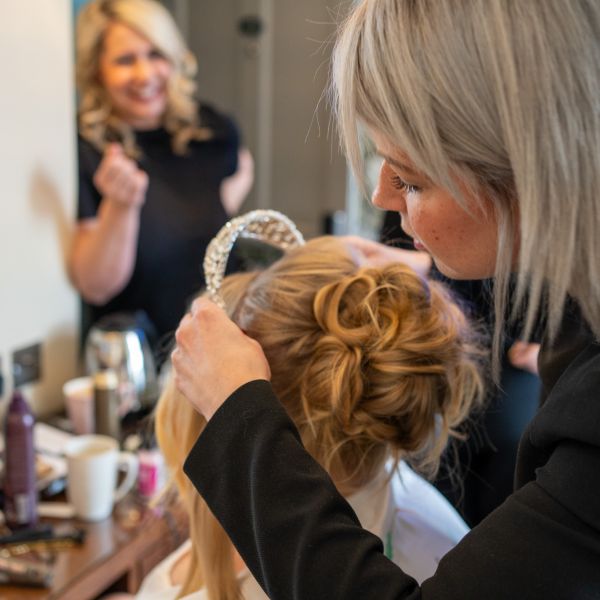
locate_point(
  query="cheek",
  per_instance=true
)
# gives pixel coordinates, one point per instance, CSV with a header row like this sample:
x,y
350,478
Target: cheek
x,y
436,226
424,220
165,71
113,79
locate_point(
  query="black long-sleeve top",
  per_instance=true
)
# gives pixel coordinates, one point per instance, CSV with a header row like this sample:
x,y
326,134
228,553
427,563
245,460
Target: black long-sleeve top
x,y
302,541
181,214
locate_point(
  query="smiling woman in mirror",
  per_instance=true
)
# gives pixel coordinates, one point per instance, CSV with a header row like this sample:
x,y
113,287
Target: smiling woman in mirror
x,y
159,172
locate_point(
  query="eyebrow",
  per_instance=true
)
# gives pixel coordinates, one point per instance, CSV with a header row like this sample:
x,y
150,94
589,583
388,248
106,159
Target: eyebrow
x,y
399,165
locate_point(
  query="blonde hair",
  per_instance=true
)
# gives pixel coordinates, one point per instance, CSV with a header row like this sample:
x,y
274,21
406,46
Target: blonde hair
x,y
506,96
371,363
97,122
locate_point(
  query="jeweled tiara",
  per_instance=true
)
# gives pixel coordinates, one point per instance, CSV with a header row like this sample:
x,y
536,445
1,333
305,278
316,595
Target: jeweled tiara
x,y
269,226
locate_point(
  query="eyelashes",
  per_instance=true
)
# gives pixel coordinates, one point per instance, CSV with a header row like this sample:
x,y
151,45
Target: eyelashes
x,y
401,185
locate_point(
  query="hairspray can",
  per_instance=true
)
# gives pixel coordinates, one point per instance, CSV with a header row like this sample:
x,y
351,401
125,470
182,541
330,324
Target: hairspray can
x,y
20,503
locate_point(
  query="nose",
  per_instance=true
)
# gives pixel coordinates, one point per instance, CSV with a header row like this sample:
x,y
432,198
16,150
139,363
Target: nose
x,y
386,196
143,69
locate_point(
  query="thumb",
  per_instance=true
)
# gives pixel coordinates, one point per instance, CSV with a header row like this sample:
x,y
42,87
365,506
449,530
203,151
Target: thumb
x,y
113,149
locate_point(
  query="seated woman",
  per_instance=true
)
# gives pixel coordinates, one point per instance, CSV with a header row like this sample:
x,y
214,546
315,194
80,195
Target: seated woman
x,y
376,366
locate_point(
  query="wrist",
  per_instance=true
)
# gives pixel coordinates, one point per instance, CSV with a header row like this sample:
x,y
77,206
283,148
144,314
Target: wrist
x,y
114,205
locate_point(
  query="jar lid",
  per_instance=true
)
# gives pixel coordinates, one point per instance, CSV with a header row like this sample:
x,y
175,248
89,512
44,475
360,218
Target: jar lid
x,y
106,380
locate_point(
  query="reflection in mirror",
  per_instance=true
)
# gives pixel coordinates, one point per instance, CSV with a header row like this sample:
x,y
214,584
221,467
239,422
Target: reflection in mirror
x,y
167,152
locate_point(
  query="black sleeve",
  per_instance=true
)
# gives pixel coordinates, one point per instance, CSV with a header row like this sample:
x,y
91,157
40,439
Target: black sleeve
x,y
232,146
226,135
301,540
88,197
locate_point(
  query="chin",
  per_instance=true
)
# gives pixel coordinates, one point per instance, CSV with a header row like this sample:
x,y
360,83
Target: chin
x,y
462,274
146,120
146,116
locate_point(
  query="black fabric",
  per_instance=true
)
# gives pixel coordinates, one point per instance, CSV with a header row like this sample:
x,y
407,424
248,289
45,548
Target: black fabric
x,y
181,214
302,541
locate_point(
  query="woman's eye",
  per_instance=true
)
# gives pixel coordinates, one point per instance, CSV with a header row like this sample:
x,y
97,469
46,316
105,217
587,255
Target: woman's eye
x,y
157,55
400,184
125,59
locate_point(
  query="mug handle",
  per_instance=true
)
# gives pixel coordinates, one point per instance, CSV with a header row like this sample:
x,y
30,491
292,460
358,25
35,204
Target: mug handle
x,y
129,462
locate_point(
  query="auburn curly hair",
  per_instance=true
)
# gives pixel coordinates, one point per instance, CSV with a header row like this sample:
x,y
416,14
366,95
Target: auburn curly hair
x,y
371,363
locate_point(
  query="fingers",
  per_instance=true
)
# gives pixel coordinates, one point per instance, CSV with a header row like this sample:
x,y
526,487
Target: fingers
x,y
181,371
371,253
420,262
208,344
114,149
204,326
193,337
203,306
524,356
119,178
181,334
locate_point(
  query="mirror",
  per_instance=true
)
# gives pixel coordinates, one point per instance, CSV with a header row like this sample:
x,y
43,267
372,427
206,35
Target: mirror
x,y
265,62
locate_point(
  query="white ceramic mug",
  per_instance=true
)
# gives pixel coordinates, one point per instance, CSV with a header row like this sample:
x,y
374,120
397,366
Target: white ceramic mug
x,y
93,463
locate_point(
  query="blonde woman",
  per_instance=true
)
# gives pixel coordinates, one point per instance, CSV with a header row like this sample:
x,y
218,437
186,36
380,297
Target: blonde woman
x,y
159,173
360,401
487,115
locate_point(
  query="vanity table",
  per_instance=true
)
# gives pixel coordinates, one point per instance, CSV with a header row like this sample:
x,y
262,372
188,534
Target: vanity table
x,y
116,555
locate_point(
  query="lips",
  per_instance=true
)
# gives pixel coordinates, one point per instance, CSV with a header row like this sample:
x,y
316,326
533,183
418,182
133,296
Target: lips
x,y
146,95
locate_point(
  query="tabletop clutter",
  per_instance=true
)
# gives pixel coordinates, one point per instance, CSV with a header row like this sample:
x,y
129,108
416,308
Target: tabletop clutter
x,y
109,435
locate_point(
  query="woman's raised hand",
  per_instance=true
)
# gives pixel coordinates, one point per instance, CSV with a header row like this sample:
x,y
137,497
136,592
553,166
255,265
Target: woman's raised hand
x,y
214,357
118,178
524,355
377,254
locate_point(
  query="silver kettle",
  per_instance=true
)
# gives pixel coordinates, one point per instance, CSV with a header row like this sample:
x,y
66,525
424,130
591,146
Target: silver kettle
x,y
118,342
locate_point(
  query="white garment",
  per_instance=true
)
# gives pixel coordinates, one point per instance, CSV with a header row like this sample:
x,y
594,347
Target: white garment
x,y
157,584
416,524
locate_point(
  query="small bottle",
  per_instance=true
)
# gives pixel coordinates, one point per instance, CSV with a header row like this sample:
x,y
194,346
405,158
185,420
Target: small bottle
x,y
151,474
106,403
20,502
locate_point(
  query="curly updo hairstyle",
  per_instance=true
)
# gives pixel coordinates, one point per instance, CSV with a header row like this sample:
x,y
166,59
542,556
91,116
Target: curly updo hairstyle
x,y
371,363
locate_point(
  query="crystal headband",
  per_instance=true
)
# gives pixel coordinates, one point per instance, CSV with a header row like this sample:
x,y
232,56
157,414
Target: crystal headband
x,y
268,226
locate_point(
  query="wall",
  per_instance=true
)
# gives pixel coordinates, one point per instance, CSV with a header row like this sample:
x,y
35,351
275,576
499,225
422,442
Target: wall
x,y
273,86
309,173
37,171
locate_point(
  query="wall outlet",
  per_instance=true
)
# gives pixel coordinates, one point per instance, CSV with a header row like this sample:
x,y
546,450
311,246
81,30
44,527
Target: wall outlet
x,y
26,365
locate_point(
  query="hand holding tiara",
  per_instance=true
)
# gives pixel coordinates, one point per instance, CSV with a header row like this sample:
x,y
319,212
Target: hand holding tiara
x,y
268,226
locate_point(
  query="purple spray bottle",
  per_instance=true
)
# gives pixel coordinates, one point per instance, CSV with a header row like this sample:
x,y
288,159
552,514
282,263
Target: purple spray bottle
x,y
20,494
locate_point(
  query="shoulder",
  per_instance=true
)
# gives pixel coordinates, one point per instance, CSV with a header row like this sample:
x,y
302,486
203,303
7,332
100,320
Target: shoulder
x,y
223,126
250,589
86,147
572,407
157,584
415,496
563,440
88,156
583,375
425,526
562,355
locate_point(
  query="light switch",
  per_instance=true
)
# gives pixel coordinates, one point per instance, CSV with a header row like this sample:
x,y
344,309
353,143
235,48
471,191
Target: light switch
x,y
26,367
